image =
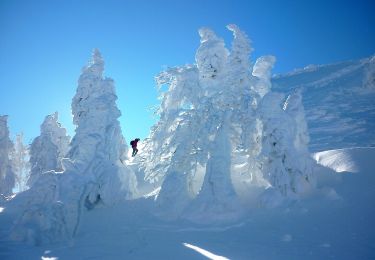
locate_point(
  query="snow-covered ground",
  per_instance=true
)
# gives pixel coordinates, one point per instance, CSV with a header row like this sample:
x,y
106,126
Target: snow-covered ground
x,y
338,100
334,223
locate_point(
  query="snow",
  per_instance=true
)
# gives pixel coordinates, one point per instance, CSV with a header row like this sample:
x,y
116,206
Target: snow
x,y
206,253
346,160
317,228
339,103
221,176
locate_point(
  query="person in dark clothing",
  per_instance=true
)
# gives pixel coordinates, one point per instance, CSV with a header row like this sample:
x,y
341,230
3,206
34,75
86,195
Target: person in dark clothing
x,y
134,143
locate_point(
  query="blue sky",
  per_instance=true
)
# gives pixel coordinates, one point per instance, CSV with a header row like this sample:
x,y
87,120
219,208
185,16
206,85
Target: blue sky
x,y
44,45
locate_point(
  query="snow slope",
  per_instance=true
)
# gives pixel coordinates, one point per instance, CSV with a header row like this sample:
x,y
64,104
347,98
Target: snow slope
x,y
338,101
336,222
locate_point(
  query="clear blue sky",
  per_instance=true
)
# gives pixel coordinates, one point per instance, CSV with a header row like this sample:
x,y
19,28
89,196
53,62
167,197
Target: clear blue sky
x,y
44,45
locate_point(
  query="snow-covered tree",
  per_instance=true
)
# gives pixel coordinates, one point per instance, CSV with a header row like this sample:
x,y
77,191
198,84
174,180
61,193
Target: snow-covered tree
x,y
211,59
284,161
20,161
293,106
98,147
7,176
217,199
48,149
262,72
217,127
200,96
93,172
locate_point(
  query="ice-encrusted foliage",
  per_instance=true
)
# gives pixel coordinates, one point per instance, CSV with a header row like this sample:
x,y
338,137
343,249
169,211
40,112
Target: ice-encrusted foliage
x,y
7,176
217,198
284,140
213,136
48,149
262,73
211,59
293,106
20,162
98,147
239,60
93,174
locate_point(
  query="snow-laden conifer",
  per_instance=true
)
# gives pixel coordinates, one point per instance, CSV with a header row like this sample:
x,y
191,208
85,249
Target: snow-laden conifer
x,y
224,97
192,130
284,159
262,72
48,149
21,165
7,176
98,148
94,173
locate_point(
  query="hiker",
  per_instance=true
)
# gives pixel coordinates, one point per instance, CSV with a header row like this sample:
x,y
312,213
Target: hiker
x,y
133,143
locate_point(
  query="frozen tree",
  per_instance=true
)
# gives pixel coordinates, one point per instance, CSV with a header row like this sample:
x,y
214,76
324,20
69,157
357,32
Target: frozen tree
x,y
7,176
294,108
221,125
175,148
246,128
211,58
98,147
93,172
48,149
20,161
217,198
238,68
283,142
176,106
200,95
262,73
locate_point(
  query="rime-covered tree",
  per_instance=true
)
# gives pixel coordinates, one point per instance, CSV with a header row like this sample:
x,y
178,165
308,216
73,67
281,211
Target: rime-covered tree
x,y
93,172
47,150
20,161
98,147
293,106
7,176
217,126
200,94
284,160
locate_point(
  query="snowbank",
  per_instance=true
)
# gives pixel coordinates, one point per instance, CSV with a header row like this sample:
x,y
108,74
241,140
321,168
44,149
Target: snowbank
x,y
353,160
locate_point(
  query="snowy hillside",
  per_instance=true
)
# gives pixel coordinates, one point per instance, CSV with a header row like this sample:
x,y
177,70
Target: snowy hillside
x,y
285,170
338,100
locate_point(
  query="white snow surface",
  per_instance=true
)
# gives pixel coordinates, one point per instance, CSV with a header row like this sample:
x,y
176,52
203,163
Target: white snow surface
x,y
323,226
338,101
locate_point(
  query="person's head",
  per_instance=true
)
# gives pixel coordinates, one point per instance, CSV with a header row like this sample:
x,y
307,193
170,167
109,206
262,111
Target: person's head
x,y
137,139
